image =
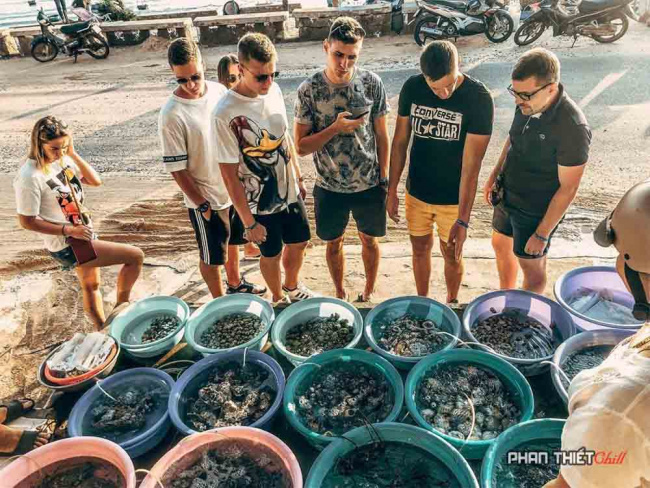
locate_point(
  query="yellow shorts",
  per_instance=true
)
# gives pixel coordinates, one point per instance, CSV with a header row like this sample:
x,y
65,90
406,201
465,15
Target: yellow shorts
x,y
421,216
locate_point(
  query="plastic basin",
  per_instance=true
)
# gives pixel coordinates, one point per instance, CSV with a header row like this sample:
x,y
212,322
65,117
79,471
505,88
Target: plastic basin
x,y
597,278
77,379
538,431
511,377
80,385
129,325
214,310
602,337
535,306
190,449
157,423
392,432
421,307
195,377
309,309
302,377
60,451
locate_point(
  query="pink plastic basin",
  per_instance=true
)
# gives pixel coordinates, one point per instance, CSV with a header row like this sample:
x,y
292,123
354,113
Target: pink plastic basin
x,y
56,452
190,448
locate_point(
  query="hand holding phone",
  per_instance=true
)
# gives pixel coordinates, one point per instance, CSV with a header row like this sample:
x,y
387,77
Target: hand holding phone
x,y
357,117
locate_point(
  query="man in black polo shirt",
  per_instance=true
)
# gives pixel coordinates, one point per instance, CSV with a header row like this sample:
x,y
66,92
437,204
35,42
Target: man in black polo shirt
x,y
449,114
542,163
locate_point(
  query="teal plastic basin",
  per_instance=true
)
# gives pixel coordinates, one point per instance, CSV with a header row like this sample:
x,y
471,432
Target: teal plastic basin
x,y
218,308
129,325
511,377
309,309
534,431
421,307
392,432
302,377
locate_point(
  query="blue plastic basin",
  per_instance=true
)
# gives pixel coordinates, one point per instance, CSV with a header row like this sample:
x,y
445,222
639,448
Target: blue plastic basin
x,y
216,309
129,325
392,432
157,423
535,306
596,278
511,377
421,307
602,337
196,376
309,309
538,431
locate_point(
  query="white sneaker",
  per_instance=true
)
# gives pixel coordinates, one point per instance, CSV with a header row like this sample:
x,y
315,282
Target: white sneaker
x,y
300,293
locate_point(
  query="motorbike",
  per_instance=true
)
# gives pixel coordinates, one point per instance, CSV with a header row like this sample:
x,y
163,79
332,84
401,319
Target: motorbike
x,y
603,20
445,19
80,37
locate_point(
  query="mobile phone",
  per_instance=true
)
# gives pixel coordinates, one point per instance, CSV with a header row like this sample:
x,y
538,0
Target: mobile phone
x,y
357,117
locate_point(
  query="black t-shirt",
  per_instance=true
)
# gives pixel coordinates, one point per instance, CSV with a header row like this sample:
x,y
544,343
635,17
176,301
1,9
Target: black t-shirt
x,y
560,136
439,130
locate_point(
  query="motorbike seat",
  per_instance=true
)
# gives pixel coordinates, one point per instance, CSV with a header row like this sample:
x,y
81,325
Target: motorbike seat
x,y
70,29
590,6
453,4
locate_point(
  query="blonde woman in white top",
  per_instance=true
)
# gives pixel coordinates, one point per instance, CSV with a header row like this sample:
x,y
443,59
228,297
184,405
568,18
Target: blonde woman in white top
x,y
50,201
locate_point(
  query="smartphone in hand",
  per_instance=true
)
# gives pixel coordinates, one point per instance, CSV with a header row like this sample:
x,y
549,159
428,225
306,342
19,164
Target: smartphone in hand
x,y
357,117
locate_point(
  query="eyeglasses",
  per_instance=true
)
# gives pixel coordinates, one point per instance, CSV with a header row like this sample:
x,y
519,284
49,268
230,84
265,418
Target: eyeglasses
x,y
194,78
526,96
262,78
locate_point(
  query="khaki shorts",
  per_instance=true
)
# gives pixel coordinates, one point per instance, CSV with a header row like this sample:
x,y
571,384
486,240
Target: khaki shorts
x,y
421,216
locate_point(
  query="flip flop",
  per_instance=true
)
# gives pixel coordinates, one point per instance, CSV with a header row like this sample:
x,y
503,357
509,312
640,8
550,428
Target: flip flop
x,y
15,408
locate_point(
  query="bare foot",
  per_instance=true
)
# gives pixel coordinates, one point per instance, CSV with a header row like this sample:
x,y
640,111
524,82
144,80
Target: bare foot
x,y
342,295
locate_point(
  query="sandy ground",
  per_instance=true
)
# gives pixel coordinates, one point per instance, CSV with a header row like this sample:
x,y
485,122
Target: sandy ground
x,y
112,106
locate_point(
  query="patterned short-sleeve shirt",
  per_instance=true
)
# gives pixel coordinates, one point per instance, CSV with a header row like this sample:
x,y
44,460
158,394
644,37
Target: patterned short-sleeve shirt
x,y
348,162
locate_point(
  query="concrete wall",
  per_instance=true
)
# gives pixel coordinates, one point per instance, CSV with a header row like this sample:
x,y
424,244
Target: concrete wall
x,y
314,24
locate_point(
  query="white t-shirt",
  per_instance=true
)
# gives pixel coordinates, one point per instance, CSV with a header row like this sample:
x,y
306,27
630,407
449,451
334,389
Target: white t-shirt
x,y
186,133
610,411
252,132
47,197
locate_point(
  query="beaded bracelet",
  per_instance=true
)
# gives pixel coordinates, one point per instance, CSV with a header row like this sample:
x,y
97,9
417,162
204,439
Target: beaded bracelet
x,y
462,223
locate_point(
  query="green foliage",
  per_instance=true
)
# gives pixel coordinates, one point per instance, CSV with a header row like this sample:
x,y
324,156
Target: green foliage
x,y
117,10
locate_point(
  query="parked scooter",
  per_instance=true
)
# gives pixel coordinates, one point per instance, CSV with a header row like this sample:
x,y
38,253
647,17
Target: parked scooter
x,y
444,19
603,20
81,37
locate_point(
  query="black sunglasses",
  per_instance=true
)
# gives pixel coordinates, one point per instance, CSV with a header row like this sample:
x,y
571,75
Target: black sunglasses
x,y
52,126
262,78
194,78
526,96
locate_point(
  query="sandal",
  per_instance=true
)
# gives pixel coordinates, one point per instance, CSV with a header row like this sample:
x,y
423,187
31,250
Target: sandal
x,y
16,409
246,287
24,440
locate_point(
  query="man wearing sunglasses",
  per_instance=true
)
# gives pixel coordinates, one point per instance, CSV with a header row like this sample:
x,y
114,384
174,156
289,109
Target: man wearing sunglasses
x,y
340,117
260,168
539,170
609,404
186,135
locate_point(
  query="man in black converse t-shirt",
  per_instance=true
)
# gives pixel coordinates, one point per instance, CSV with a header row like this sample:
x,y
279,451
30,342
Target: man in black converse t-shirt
x,y
450,116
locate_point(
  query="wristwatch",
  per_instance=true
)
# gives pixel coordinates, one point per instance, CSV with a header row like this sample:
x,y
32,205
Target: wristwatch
x,y
383,182
204,207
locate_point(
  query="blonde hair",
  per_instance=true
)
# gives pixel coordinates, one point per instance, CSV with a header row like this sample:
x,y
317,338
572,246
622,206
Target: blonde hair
x,y
46,129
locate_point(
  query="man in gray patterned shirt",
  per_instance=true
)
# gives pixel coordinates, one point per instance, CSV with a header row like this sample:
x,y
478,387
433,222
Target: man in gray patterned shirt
x,y
340,117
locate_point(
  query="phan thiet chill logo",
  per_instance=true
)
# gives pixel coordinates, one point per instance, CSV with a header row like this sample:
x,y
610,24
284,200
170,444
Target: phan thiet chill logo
x,y
579,457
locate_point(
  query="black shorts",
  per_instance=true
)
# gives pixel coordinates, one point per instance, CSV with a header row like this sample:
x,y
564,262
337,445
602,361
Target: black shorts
x,y
237,229
66,258
520,226
333,209
289,226
212,236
